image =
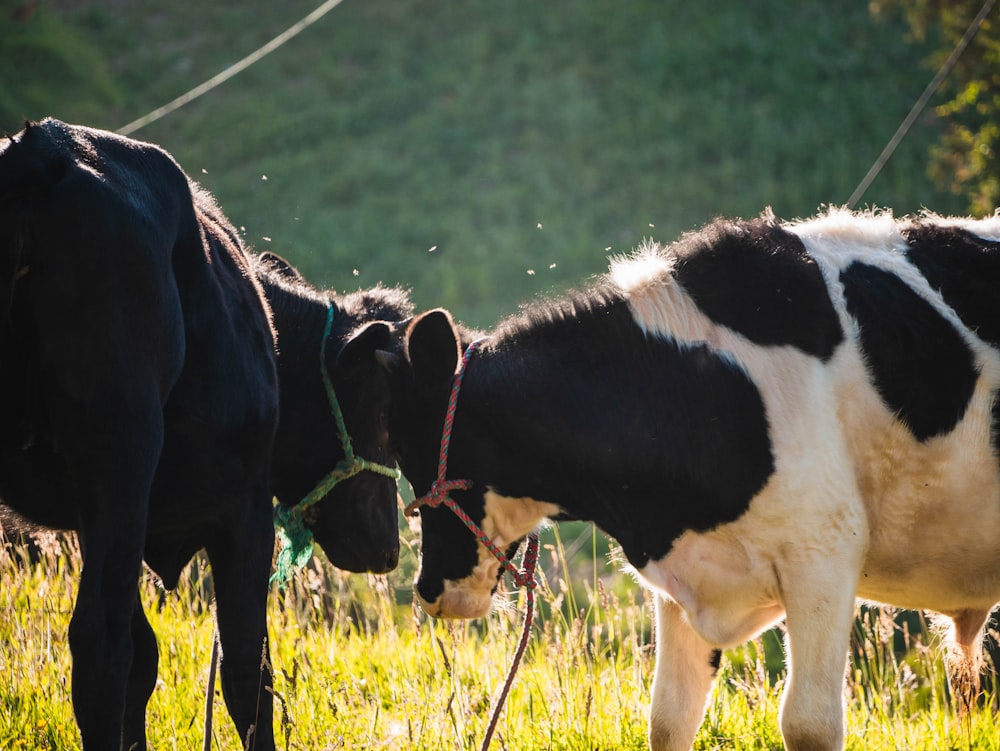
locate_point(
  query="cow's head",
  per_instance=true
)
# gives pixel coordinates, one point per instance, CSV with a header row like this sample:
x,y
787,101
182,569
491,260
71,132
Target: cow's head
x,y
458,574
356,521
357,524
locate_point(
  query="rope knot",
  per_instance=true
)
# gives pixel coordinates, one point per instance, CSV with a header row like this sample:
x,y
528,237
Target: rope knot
x,y
526,576
438,495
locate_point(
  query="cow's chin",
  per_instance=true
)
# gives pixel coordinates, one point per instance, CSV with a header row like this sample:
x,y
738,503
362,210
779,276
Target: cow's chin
x,y
460,602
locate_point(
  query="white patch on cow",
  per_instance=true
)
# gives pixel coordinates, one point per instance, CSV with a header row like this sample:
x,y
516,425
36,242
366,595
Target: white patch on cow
x,y
462,599
839,238
657,301
507,520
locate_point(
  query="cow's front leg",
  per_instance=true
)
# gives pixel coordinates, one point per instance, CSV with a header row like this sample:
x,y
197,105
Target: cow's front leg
x,y
819,605
240,555
685,667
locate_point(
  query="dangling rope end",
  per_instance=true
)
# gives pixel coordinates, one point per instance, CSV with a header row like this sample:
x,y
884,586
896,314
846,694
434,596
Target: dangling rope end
x,y
296,544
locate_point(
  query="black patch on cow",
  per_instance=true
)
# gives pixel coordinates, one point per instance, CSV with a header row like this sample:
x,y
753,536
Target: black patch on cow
x,y
920,365
965,269
574,404
757,279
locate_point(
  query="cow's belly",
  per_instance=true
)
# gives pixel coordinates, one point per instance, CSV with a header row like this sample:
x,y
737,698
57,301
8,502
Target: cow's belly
x,y
945,557
934,517
932,506
914,547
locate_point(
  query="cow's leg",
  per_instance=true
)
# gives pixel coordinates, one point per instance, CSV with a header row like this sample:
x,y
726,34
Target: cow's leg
x,y
112,443
685,667
141,679
240,556
965,656
100,631
819,604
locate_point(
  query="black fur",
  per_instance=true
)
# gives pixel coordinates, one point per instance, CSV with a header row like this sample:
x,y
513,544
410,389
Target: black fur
x,y
920,365
358,526
962,267
715,660
756,278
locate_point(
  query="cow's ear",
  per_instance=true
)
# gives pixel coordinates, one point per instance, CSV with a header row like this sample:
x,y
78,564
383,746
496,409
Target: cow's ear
x,y
281,267
432,346
359,350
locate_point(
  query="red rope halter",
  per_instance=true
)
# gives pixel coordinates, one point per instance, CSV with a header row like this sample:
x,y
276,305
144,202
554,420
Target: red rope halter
x,y
439,495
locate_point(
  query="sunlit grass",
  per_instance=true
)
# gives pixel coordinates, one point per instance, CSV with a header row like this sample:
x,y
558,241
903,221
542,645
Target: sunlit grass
x,y
355,666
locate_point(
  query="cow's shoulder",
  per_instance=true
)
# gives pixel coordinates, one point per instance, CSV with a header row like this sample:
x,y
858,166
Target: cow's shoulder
x,y
756,278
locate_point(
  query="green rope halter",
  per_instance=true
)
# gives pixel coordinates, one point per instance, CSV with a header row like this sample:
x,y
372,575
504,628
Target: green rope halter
x,y
296,539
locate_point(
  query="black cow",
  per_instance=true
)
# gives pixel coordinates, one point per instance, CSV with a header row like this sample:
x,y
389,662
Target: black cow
x,y
771,419
140,406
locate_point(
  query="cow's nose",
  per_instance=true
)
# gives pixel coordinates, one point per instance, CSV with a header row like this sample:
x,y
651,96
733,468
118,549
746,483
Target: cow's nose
x,y
392,559
385,562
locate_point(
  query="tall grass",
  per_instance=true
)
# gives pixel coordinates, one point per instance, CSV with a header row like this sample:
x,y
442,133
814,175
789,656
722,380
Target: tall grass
x,y
356,666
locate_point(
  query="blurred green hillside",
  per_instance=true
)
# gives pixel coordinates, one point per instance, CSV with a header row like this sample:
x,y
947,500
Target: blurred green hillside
x,y
482,153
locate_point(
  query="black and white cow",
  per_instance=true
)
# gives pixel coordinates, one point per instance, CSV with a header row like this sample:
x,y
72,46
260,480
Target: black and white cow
x,y
772,419
139,405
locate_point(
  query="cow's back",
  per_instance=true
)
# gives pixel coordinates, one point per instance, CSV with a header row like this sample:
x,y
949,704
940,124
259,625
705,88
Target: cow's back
x,y
107,250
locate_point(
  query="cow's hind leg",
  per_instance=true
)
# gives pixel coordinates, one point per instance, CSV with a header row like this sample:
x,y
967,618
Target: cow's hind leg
x,y
101,629
141,679
685,668
240,554
111,433
965,656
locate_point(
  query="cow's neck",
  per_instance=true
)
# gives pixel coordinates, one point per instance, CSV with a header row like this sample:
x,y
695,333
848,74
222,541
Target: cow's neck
x,y
528,481
540,451
299,317
299,320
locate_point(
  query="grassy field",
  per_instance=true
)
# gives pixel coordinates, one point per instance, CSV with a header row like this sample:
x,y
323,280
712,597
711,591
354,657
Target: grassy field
x,y
479,154
356,667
